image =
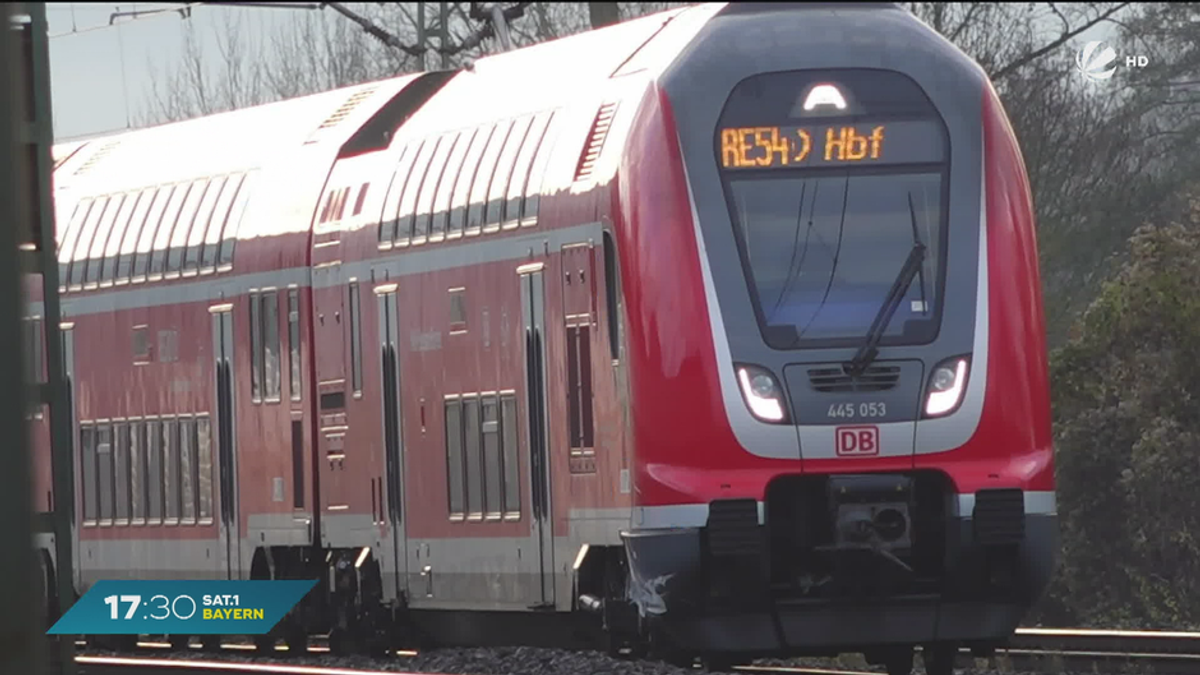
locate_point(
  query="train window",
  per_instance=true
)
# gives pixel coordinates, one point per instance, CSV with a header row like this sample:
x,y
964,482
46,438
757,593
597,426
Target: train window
x,y
579,386
391,202
70,236
229,230
170,446
408,201
79,253
458,311
141,344
88,481
474,460
433,179
537,176
454,455
145,244
612,295
356,374
294,343
272,375
137,472
95,261
297,464
441,203
504,173
124,268
462,187
121,473
162,238
204,217
154,472
108,266
187,471
220,216
256,359
512,462
484,175
104,471
183,226
362,199
204,470
168,346
31,333
520,170
493,496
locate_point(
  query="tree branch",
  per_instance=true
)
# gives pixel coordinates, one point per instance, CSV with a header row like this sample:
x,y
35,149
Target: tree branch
x,y
1054,44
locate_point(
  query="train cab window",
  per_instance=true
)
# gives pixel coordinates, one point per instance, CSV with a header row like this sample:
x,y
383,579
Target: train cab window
x,y
433,178
441,204
356,372
88,481
204,470
70,236
108,263
221,211
170,446
137,472
462,186
145,244
537,176
95,258
484,176
137,221
405,217
520,170
361,199
229,230
187,471
494,212
509,440
391,202
162,237
87,231
183,226
104,471
454,456
204,216
154,471
294,381
493,493
121,473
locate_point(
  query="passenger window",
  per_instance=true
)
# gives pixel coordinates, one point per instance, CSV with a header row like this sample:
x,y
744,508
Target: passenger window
x,y
95,261
88,480
391,203
137,472
362,198
256,359
483,177
433,178
104,466
355,341
141,261
162,238
183,226
70,236
408,202
454,455
108,268
441,203
204,470
35,370
462,188
170,444
493,495
229,229
121,470
154,472
612,290
473,458
537,172
129,242
187,472
79,253
220,216
520,172
512,461
504,172
204,216
294,380
272,376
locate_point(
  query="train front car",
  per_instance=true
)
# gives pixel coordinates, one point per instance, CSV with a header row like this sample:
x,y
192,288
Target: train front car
x,y
839,371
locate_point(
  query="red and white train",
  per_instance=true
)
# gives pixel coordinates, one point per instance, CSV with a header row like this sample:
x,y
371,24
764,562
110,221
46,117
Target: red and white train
x,y
721,328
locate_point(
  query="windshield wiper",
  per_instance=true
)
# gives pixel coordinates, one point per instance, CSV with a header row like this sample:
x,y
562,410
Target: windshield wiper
x,y
912,266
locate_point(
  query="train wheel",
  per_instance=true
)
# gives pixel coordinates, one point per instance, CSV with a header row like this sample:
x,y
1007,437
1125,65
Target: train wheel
x,y
210,643
265,644
939,659
900,663
179,642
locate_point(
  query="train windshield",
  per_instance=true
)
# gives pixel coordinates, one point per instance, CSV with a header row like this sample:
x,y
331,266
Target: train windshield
x,y
831,179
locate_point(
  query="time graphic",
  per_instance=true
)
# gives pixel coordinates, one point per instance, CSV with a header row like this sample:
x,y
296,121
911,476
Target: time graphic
x,y
176,607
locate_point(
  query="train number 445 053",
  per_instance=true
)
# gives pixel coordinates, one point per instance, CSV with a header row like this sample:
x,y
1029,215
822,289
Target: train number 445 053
x,y
845,410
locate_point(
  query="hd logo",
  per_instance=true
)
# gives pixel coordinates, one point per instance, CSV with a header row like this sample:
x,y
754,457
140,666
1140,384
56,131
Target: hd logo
x,y
1096,61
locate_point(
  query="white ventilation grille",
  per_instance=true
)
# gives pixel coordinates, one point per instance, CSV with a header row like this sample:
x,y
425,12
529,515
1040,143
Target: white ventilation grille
x,y
595,142
97,156
342,112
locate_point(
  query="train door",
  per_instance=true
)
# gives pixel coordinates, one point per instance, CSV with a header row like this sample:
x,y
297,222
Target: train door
x,y
227,502
533,314
391,493
329,325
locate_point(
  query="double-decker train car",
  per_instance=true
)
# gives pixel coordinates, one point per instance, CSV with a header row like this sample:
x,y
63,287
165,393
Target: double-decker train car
x,y
719,329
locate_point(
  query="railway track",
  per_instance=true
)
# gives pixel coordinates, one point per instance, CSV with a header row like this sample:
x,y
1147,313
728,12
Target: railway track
x,y
1046,650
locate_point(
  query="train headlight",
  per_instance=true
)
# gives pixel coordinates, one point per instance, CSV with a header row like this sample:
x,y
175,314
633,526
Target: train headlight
x,y
946,386
763,395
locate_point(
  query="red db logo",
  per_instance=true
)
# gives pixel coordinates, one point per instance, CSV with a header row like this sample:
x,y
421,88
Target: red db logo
x,y
857,441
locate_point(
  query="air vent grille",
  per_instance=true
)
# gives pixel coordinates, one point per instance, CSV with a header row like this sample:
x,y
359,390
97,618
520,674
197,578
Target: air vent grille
x,y
837,381
97,157
999,516
342,112
595,142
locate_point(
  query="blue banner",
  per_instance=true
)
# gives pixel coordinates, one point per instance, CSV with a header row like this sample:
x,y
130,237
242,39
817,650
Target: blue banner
x,y
181,607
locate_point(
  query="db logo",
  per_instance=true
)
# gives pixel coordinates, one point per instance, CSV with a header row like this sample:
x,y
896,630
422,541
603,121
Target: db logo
x,y
858,441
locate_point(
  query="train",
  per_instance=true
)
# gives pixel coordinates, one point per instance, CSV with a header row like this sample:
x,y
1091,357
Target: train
x,y
560,336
